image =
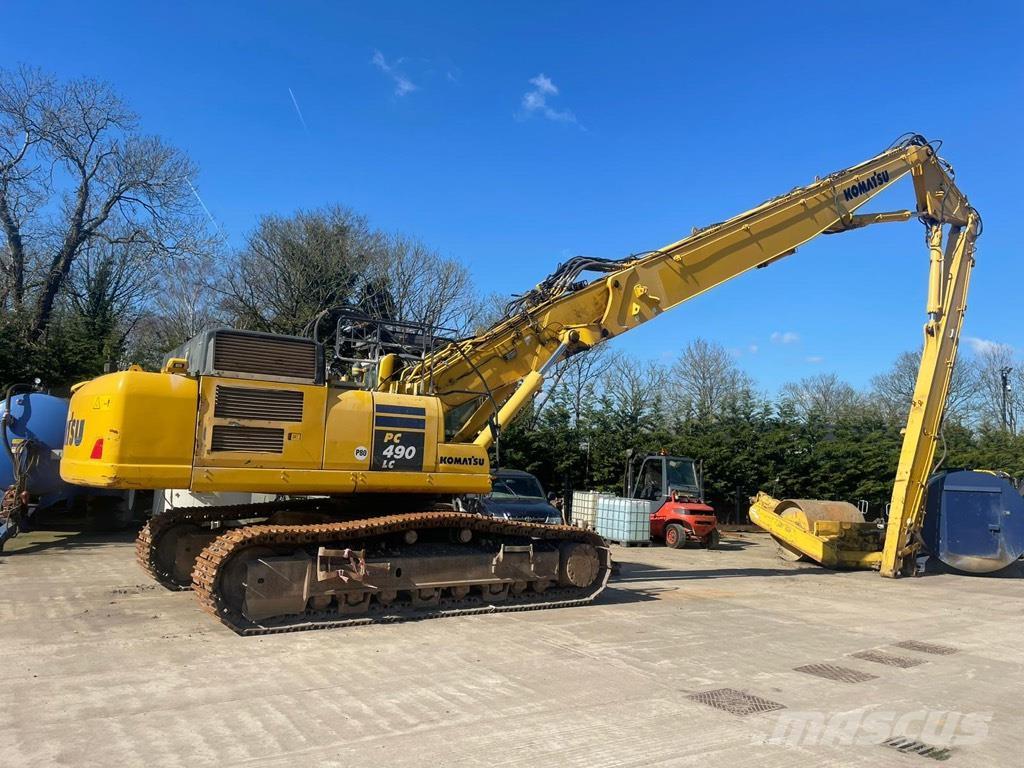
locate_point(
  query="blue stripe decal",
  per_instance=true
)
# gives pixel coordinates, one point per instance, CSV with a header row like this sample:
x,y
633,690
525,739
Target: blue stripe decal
x,y
405,410
397,422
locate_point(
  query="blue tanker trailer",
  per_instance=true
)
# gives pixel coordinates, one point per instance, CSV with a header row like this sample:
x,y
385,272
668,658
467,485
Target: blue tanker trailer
x,y
32,426
974,521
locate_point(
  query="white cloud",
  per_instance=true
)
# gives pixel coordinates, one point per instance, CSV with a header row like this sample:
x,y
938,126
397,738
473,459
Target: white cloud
x,y
535,101
785,337
544,84
985,346
815,359
753,349
403,85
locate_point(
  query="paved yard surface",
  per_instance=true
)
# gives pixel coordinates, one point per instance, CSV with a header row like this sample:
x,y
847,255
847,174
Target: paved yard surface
x,y
103,668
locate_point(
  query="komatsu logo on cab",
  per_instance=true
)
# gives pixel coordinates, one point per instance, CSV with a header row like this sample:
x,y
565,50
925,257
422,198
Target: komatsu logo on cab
x,y
864,186
462,461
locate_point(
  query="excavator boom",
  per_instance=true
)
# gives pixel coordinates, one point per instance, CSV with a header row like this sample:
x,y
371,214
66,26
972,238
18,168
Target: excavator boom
x,y
566,316
497,372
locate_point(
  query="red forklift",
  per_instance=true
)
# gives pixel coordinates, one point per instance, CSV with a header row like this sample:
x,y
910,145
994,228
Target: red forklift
x,y
674,485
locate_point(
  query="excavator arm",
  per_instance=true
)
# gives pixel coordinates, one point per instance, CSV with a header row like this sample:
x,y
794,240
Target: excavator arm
x,y
486,380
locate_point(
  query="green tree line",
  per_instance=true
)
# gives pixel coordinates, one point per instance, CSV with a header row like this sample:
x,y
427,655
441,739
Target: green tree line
x,y
806,442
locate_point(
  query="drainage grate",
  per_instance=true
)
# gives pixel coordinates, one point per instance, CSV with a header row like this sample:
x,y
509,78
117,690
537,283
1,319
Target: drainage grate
x,y
917,645
832,672
735,702
914,747
885,658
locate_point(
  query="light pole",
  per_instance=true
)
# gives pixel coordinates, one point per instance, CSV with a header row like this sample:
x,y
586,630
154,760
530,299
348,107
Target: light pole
x,y
1004,377
585,447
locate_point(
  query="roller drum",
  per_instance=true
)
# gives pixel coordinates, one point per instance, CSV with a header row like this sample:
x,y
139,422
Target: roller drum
x,y
806,512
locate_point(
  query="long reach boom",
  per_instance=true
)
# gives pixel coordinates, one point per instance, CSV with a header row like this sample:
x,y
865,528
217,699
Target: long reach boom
x,y
488,378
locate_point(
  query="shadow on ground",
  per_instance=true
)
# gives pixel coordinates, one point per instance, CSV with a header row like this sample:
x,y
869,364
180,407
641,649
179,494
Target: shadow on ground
x,y
638,572
621,587
725,545
936,568
42,540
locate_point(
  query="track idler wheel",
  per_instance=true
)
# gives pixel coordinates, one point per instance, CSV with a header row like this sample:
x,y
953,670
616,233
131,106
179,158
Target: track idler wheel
x,y
578,565
234,582
177,550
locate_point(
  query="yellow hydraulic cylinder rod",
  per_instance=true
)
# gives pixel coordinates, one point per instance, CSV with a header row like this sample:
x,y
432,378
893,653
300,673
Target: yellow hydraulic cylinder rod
x,y
530,386
858,220
935,271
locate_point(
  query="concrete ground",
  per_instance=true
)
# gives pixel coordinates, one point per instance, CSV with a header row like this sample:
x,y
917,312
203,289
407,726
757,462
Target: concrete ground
x,y
103,668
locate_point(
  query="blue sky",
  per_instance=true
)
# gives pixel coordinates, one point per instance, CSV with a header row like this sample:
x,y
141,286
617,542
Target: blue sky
x,y
650,118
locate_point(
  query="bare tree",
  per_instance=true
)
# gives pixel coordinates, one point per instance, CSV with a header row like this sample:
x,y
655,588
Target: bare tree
x,y
486,310
179,308
994,387
892,391
292,268
635,390
823,395
185,308
74,172
423,286
111,285
21,185
705,379
577,379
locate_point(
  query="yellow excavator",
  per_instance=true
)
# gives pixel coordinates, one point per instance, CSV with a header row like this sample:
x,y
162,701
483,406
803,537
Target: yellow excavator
x,y
363,438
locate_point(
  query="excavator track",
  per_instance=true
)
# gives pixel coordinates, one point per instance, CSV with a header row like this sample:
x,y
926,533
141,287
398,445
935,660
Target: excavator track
x,y
149,542
215,560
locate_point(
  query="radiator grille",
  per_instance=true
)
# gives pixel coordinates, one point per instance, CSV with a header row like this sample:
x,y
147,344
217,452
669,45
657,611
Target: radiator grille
x,y
262,404
242,353
228,437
